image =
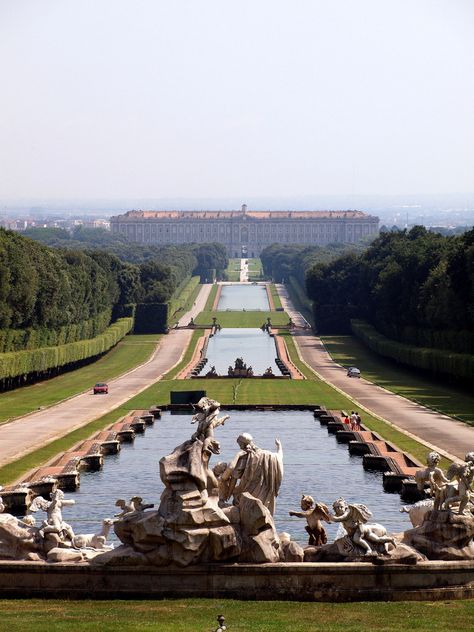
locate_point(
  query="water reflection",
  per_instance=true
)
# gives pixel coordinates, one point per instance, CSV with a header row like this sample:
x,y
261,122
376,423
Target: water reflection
x,y
314,464
256,348
239,297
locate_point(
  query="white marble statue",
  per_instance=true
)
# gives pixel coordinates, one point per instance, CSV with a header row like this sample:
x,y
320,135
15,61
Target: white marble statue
x,y
255,471
418,511
460,490
434,476
207,418
313,513
54,522
94,540
354,518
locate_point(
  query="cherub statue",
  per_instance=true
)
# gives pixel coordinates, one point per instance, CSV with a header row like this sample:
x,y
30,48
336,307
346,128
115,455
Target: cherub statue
x,y
314,513
207,418
139,505
54,522
127,508
464,475
354,518
433,475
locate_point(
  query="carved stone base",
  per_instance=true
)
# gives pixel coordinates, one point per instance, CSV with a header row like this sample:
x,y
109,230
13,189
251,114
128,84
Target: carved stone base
x,y
197,533
344,550
444,536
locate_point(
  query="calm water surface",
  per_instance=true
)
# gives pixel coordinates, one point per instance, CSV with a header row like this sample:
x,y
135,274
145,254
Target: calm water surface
x,y
239,297
314,464
255,346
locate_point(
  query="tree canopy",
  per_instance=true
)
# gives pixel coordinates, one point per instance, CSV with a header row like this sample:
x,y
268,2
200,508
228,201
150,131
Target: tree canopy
x,y
413,286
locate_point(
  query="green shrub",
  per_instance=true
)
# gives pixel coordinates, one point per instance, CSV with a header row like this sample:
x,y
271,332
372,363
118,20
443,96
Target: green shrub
x,y
435,361
35,338
151,318
23,363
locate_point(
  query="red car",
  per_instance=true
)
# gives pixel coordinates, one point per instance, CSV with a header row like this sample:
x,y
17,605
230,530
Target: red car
x,y
100,387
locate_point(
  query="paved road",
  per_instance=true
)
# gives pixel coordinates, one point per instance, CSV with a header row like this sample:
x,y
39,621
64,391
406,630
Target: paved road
x,y
32,431
244,271
198,306
450,436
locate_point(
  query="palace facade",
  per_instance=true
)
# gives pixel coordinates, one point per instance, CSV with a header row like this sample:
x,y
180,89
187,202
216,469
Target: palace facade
x,y
245,233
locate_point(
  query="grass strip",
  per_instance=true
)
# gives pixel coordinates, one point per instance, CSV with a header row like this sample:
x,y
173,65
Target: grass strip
x,y
275,296
211,298
242,319
232,272
130,352
444,398
12,471
255,269
182,615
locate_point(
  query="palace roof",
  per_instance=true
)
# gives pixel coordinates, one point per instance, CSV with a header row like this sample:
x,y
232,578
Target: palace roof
x,y
186,215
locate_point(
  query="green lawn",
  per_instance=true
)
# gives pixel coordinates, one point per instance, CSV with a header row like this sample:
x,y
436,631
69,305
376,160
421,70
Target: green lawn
x,y
242,319
255,269
276,296
130,352
211,298
196,615
232,271
452,401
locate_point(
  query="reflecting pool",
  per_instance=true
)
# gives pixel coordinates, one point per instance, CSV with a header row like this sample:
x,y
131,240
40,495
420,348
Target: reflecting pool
x,y
245,296
255,346
314,464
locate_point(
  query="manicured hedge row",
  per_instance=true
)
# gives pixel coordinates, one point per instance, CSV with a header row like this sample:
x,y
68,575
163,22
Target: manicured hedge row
x,y
21,363
302,301
123,311
461,340
436,361
181,295
151,318
27,339
208,275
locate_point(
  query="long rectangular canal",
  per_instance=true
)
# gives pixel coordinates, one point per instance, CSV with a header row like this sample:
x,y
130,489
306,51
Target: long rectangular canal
x,y
314,464
244,296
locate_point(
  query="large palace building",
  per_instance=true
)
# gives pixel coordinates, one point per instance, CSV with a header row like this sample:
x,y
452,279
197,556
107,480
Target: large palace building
x,y
245,233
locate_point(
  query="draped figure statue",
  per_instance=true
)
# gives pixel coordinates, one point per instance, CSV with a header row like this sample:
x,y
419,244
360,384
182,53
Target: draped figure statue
x,y
256,471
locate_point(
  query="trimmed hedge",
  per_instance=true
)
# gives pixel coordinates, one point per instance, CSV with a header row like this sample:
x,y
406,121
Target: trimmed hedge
x,y
435,361
12,340
181,296
124,311
208,275
22,363
461,341
151,318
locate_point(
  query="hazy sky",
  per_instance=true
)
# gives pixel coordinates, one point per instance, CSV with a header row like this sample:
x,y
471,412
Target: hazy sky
x,y
203,98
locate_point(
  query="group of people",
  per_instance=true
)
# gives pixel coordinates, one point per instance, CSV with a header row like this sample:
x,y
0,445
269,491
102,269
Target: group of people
x,y
353,421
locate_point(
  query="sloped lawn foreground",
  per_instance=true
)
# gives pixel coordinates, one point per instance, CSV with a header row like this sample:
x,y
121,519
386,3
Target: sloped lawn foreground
x,y
196,615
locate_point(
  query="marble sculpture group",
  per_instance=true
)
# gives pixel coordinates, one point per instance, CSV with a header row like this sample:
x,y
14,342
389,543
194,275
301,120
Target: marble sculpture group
x,y
225,513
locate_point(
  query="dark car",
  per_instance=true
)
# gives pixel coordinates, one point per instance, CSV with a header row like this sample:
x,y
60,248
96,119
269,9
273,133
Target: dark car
x,y
101,387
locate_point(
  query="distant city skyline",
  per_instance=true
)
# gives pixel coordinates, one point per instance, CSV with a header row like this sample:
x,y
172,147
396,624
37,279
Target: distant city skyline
x,y
238,101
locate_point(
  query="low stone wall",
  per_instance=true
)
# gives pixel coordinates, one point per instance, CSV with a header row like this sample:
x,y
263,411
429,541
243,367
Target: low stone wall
x,y
300,582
